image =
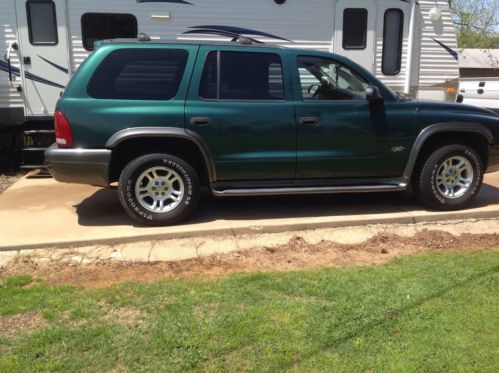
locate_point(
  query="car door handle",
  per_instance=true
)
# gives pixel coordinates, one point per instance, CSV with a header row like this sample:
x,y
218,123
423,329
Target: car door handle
x,y
201,121
309,121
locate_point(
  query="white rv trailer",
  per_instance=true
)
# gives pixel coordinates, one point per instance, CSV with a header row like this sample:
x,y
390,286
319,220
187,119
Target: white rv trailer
x,y
408,44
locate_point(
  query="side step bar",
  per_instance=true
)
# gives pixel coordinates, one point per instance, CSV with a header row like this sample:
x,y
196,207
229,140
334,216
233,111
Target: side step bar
x,y
310,190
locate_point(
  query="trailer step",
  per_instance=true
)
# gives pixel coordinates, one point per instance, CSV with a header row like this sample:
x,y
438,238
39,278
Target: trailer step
x,y
34,167
39,132
34,149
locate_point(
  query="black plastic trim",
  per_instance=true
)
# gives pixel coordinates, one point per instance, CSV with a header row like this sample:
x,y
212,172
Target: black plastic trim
x,y
79,166
166,132
427,132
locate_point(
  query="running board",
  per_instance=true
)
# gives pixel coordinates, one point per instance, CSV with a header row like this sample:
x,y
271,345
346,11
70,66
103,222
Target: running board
x,y
310,190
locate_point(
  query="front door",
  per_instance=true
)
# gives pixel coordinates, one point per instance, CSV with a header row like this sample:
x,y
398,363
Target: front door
x,y
354,35
341,135
244,111
44,55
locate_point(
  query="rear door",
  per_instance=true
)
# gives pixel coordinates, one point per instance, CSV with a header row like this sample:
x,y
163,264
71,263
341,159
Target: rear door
x,y
43,49
240,103
354,34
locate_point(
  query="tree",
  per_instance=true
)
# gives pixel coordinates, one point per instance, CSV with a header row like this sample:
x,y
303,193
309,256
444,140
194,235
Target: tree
x,y
476,23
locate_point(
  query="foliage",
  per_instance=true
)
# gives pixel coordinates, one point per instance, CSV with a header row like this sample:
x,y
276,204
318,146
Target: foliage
x,y
476,23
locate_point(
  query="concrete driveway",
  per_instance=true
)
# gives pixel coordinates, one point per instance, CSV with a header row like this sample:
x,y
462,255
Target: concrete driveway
x,y
39,212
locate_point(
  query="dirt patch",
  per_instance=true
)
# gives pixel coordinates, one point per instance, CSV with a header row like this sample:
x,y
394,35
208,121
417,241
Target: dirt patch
x,y
124,316
295,254
13,324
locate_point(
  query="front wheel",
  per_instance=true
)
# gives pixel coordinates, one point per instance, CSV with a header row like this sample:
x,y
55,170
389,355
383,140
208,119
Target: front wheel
x,y
450,177
158,189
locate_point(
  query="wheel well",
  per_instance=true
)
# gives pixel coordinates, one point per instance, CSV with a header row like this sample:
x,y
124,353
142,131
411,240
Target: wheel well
x,y
474,140
129,150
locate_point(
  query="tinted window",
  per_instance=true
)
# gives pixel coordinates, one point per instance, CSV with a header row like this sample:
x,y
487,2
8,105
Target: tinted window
x,y
354,28
325,79
392,41
139,74
42,22
243,76
100,26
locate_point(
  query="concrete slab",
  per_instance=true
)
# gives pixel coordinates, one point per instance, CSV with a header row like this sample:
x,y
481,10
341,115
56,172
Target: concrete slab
x,y
41,213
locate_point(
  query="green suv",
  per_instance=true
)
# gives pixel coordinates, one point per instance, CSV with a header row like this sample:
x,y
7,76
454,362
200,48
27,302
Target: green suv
x,y
164,119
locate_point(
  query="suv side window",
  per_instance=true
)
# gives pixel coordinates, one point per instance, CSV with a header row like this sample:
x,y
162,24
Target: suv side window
x,y
325,79
242,76
139,74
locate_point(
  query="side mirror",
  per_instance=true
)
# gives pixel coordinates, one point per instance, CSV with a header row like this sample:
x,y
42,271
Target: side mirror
x,y
460,99
373,94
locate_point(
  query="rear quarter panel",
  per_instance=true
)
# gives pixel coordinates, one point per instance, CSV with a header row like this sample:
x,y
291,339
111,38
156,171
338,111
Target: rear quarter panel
x,y
94,121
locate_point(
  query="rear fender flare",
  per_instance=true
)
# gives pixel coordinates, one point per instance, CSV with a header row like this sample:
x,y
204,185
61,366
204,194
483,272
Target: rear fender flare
x,y
172,132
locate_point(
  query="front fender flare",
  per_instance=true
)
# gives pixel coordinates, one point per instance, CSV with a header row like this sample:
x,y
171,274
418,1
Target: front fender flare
x,y
433,129
166,132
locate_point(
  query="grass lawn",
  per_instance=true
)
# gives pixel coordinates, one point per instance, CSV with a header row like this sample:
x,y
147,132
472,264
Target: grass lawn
x,y
434,312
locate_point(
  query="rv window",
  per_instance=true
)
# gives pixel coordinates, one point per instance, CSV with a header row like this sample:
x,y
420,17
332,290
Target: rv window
x,y
139,74
354,28
42,22
100,26
243,76
392,41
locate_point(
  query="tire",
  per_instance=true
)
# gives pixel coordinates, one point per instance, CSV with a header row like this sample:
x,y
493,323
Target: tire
x,y
159,189
449,178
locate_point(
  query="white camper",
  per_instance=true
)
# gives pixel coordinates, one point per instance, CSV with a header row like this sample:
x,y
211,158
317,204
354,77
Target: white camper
x,y
408,44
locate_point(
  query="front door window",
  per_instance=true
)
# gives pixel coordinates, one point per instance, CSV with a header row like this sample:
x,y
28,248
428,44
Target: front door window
x,y
324,79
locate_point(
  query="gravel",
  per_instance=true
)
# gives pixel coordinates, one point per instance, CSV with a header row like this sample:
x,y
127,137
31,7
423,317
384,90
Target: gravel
x,y
6,180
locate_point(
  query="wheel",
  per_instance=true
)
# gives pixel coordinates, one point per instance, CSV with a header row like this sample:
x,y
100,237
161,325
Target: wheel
x,y
450,177
158,189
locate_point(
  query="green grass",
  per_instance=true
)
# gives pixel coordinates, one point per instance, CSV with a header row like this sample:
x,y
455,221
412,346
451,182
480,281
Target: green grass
x,y
436,312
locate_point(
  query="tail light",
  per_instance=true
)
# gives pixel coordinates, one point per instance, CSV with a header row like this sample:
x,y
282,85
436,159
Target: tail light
x,y
63,133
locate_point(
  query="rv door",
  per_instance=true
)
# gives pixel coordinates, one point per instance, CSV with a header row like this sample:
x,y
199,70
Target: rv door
x,y
354,31
43,53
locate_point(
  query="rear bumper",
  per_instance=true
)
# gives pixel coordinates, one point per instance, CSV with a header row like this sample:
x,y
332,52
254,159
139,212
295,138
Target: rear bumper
x,y
493,162
79,166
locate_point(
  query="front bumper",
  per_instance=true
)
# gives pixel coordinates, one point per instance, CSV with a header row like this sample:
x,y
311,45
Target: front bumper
x,y
493,162
79,166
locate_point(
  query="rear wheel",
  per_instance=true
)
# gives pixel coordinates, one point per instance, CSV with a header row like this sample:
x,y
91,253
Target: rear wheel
x,y
159,189
450,177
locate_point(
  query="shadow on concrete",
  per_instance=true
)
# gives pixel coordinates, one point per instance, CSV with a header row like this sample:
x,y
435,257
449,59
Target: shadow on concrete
x,y
104,209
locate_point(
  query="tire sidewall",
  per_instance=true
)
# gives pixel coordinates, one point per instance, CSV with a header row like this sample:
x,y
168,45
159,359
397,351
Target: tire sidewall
x,y
132,172
473,190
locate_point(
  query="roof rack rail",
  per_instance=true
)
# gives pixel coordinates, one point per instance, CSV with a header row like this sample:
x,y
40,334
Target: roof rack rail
x,y
237,38
143,37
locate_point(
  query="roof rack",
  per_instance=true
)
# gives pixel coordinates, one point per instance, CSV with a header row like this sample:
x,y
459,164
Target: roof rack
x,y
143,37
237,38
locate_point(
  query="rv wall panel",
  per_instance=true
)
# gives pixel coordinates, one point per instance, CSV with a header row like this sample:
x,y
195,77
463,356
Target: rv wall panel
x,y
9,97
312,21
438,63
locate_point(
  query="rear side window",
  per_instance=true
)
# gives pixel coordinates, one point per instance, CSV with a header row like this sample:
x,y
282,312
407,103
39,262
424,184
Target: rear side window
x,y
354,28
42,22
392,41
101,26
139,74
242,76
